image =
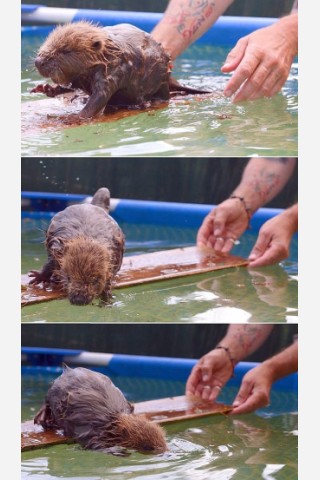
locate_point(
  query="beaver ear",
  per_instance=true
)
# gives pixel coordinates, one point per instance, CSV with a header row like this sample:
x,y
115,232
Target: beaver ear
x,y
97,45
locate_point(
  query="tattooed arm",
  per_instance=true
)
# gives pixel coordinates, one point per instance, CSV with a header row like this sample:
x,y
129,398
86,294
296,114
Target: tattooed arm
x,y
262,180
260,61
184,21
215,368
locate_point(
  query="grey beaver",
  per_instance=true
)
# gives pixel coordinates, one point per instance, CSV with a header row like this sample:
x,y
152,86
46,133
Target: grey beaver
x,y
118,65
85,247
88,407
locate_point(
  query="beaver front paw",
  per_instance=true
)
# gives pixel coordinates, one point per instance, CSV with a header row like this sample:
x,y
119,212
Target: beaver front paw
x,y
38,277
51,90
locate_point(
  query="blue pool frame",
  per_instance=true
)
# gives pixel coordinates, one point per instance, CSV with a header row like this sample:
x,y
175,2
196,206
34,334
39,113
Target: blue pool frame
x,y
225,32
38,359
189,215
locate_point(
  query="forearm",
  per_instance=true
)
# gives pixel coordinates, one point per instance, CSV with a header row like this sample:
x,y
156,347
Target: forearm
x,y
184,21
242,340
263,179
289,26
284,363
290,217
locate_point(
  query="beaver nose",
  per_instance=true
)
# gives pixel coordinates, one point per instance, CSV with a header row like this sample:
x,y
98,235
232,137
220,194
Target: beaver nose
x,y
38,62
79,299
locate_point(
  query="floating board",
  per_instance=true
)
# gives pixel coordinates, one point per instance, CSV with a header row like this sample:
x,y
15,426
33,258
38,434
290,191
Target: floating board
x,y
162,411
54,113
174,409
148,267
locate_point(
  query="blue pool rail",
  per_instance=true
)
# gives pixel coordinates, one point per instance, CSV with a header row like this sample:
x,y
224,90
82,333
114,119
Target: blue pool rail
x,y
189,215
225,32
168,368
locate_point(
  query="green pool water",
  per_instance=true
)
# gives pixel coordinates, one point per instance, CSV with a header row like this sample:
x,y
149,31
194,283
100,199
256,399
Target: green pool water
x,y
268,294
218,447
210,127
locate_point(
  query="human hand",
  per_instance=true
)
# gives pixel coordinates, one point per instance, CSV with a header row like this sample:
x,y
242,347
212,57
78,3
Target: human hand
x,y
223,226
273,243
254,391
209,375
261,61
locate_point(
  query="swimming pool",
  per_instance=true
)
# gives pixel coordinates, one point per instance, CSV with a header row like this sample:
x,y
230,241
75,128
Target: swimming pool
x,y
268,294
258,445
187,127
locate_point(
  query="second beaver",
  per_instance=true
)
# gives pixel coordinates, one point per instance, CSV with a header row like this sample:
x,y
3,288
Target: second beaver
x,y
93,411
118,65
85,248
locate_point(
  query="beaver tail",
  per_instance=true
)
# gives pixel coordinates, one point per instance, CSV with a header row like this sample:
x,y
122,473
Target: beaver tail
x,y
102,198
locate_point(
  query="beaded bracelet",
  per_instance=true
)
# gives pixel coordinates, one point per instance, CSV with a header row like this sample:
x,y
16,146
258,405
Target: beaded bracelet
x,y
232,360
247,209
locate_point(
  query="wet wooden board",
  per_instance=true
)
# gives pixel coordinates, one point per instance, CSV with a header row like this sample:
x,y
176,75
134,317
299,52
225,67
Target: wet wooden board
x,y
162,411
56,113
167,264
175,409
59,112
148,267
33,437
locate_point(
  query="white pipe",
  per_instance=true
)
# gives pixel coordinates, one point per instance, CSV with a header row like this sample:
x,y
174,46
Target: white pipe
x,y
89,358
50,14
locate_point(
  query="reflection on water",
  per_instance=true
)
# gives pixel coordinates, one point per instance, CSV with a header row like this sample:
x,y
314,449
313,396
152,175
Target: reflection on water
x,y
218,447
238,295
188,127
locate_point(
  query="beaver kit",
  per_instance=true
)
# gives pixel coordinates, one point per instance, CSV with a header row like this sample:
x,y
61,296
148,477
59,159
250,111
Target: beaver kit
x,y
88,407
118,65
85,248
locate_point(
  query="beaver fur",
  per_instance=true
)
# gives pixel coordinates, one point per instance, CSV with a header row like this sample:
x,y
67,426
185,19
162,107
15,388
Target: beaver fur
x,y
85,248
118,65
88,407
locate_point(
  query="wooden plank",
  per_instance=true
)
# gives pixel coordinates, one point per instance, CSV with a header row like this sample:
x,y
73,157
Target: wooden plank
x,y
33,437
174,409
162,411
148,267
59,112
167,264
56,113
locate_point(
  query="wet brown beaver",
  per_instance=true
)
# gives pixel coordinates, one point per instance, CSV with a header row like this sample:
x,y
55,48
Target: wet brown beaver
x,y
119,65
93,411
85,248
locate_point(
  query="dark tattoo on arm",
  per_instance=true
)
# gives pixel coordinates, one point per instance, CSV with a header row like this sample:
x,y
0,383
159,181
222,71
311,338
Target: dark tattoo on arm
x,y
265,183
188,23
249,336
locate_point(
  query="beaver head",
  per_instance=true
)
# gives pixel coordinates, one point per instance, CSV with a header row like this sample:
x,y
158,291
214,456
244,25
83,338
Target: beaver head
x,y
70,49
85,270
138,433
